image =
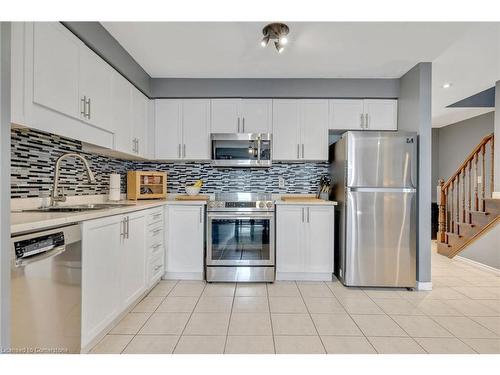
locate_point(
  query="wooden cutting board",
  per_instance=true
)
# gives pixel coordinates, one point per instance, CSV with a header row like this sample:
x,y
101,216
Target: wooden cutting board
x,y
299,198
192,197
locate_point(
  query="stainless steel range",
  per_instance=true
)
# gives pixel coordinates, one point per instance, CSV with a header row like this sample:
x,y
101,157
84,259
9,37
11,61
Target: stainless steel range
x,y
240,238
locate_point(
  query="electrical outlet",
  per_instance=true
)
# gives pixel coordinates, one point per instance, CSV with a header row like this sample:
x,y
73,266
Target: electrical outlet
x,y
281,182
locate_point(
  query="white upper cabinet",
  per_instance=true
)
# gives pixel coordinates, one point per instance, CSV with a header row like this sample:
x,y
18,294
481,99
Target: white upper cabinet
x,y
140,123
381,114
346,114
95,89
182,129
121,105
56,54
225,116
300,129
196,129
363,114
256,115
286,134
241,115
168,117
314,129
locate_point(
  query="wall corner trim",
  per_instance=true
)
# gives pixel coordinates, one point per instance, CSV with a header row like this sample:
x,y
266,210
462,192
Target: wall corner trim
x,y
424,285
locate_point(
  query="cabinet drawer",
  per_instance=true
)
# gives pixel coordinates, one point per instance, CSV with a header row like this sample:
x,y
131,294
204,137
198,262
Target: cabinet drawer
x,y
154,234
155,216
155,249
155,270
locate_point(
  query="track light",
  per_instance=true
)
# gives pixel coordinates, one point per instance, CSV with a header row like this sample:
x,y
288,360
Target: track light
x,y
276,32
264,41
279,47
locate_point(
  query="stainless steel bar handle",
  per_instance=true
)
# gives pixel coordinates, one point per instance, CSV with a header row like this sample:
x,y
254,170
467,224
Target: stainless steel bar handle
x,y
308,214
302,151
157,267
122,228
243,124
83,102
361,122
302,214
127,221
137,140
238,124
184,150
179,150
88,109
298,151
201,215
366,120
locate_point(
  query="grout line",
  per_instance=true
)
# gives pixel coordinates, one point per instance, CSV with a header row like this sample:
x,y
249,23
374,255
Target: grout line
x,y
189,319
310,316
230,318
270,317
151,313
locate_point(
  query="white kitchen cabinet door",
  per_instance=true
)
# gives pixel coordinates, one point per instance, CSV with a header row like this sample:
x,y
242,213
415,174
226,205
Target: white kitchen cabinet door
x,y
168,117
286,134
320,245
256,115
346,114
381,114
121,104
56,54
225,115
314,129
140,122
101,272
290,239
184,241
95,87
196,129
133,259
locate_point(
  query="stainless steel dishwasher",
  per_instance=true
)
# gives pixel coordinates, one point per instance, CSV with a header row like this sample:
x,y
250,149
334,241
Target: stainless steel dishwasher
x,y
46,289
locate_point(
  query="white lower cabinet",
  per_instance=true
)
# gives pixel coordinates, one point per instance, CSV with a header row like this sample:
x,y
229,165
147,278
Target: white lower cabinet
x,y
304,242
184,236
113,270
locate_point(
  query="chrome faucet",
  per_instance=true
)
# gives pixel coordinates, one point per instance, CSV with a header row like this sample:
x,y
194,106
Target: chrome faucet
x,y
55,195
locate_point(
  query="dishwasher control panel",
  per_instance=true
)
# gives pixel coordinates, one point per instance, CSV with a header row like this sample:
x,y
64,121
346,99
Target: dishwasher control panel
x,y
33,246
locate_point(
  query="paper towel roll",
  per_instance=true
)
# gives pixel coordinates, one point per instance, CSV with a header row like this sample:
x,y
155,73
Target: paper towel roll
x,y
114,187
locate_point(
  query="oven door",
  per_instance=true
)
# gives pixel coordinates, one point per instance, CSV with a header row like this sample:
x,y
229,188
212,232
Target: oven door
x,y
240,239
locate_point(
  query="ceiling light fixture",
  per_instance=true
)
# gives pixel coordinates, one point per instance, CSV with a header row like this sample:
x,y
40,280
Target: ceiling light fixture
x,y
447,85
278,33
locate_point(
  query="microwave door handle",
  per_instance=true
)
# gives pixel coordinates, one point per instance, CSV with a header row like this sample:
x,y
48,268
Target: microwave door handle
x,y
258,149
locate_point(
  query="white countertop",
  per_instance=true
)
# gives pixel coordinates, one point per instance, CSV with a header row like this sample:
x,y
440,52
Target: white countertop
x,y
30,221
305,203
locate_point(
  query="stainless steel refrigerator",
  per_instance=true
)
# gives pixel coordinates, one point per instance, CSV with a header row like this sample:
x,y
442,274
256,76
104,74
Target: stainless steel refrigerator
x,y
374,180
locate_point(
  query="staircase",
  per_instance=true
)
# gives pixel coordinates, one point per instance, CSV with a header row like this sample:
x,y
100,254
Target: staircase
x,y
466,207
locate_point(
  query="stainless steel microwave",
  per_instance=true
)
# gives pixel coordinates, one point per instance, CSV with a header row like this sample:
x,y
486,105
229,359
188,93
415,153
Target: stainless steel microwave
x,y
241,150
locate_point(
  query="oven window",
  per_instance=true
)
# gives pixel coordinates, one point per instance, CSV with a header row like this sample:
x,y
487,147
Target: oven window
x,y
241,240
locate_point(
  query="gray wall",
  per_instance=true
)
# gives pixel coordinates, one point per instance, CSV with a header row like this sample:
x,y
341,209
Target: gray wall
x,y
497,141
274,87
485,249
94,35
4,186
414,114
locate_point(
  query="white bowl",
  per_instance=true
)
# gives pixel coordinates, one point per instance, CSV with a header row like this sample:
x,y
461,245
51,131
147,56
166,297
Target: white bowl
x,y
192,190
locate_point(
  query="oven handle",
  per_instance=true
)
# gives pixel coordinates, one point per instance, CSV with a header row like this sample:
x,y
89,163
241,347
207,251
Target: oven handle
x,y
241,216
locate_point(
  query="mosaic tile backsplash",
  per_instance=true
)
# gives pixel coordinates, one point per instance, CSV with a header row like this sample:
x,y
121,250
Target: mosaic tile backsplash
x,y
33,155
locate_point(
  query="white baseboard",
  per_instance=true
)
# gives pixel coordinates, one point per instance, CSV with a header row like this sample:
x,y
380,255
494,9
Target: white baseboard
x,y
304,276
424,285
484,267
495,195
183,276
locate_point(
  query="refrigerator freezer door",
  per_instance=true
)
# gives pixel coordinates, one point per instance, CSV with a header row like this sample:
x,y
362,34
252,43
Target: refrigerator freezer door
x,y
381,159
380,247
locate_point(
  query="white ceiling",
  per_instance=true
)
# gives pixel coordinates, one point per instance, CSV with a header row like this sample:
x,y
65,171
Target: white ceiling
x,y
463,53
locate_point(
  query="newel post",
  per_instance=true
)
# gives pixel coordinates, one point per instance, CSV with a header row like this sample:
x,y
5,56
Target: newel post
x,y
441,235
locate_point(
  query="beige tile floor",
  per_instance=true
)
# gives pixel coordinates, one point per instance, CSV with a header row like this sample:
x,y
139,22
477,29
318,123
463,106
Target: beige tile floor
x,y
460,315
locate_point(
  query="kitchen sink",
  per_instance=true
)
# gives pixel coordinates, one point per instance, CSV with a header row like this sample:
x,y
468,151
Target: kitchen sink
x,y
80,207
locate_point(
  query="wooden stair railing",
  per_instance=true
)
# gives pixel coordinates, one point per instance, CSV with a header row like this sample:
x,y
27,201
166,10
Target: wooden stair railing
x,y
464,195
